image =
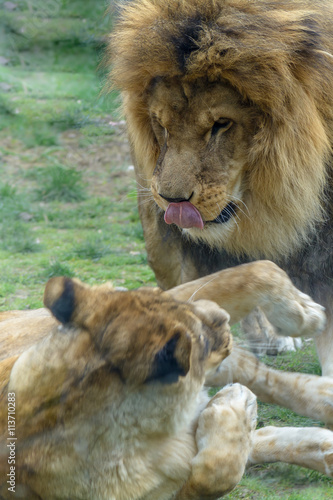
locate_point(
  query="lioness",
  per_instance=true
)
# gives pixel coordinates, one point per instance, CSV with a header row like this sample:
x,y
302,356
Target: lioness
x,y
229,107
110,404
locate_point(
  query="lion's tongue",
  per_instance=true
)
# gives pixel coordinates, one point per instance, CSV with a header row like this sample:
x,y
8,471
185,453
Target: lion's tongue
x,y
184,214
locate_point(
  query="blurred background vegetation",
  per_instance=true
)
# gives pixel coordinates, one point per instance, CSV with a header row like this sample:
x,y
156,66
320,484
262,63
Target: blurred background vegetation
x,y
67,189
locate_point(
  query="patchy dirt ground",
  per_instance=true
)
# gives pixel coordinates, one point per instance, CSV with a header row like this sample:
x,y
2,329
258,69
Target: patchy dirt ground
x,y
100,161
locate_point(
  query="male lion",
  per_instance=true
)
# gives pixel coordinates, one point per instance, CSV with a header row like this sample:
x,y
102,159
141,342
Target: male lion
x,y
229,107
110,405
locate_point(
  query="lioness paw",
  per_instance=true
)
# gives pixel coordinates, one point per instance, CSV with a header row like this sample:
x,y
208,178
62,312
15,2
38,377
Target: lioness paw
x,y
224,438
240,400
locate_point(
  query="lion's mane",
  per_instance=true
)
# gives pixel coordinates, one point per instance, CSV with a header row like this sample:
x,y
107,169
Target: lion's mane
x,y
278,56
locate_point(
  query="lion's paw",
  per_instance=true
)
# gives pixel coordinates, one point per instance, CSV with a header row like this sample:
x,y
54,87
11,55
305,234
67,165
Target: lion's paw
x,y
300,316
314,316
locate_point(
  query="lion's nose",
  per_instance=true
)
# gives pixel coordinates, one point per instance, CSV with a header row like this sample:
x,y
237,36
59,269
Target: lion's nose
x,y
175,200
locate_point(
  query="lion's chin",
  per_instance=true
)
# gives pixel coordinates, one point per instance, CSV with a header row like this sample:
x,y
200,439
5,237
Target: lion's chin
x,y
214,234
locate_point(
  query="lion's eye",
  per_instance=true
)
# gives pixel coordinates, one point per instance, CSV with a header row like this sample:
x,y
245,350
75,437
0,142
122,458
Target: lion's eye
x,y
160,131
156,121
223,124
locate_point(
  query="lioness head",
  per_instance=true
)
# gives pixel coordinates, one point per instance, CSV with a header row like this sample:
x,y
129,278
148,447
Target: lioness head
x,y
229,112
122,368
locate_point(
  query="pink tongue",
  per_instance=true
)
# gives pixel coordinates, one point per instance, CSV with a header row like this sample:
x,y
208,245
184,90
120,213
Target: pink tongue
x,y
184,214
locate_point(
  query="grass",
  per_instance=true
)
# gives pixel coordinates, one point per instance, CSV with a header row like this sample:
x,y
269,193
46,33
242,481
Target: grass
x,y
67,197
52,77
92,248
68,239
64,192
57,182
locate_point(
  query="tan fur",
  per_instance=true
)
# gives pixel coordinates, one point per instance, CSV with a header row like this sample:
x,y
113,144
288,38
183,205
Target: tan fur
x,y
265,69
268,66
110,404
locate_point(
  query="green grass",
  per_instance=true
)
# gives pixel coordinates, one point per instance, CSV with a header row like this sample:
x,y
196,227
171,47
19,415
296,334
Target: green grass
x,y
67,203
92,248
75,238
14,233
283,482
57,182
55,268
53,77
58,214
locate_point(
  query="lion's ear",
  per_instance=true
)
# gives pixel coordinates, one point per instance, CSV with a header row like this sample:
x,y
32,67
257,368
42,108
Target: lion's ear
x,y
59,298
173,360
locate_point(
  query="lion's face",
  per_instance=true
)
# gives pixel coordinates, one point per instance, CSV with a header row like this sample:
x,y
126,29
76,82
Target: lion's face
x,y
229,112
204,131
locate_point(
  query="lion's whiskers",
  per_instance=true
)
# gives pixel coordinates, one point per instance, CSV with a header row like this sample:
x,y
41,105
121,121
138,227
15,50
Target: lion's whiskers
x,y
132,194
145,202
232,198
219,218
144,178
142,188
200,287
145,194
144,197
325,53
231,211
238,200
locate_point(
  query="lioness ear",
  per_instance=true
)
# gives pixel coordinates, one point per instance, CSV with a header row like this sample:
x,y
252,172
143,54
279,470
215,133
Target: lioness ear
x,y
59,297
173,360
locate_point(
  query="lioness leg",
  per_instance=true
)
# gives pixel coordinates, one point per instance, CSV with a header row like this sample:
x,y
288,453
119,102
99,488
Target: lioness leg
x,y
242,288
224,440
324,345
305,446
308,395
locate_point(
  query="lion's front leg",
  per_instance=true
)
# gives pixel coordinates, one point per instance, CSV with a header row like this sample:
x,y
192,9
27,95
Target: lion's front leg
x,y
162,244
262,283
224,440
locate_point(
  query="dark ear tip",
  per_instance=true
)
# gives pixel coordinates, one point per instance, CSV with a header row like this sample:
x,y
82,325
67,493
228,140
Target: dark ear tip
x,y
169,364
59,298
53,290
